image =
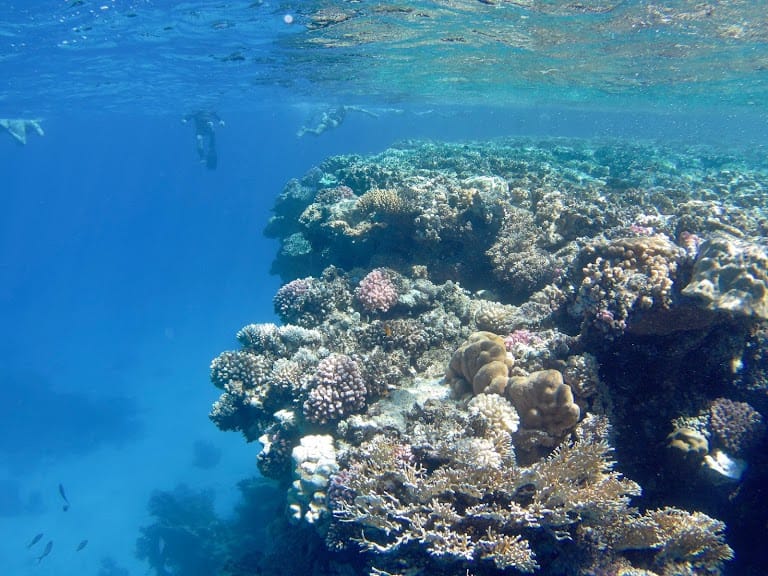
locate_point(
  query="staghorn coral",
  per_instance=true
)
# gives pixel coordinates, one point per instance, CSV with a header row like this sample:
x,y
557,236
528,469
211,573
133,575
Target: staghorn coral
x,y
480,364
472,507
336,389
689,542
679,542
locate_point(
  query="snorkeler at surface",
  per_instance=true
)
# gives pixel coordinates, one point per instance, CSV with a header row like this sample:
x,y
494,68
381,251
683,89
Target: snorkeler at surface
x,y
333,117
20,127
204,123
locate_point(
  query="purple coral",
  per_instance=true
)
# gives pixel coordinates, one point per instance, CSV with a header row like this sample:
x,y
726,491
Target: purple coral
x,y
290,298
336,390
376,292
304,301
736,425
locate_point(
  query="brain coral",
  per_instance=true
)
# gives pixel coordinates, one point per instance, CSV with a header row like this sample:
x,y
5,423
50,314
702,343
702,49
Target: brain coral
x,y
731,274
337,389
479,365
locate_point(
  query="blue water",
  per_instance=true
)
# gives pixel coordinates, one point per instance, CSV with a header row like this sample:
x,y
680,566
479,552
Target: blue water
x,y
126,265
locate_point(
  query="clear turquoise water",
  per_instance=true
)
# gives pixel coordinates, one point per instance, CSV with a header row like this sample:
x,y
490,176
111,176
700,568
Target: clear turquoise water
x,y
125,265
603,53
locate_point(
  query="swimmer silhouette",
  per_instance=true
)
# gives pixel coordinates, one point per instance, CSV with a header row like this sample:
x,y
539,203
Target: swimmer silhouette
x,y
204,124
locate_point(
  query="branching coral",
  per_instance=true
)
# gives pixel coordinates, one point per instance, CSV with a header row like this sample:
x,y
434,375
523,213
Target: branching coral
x,y
622,276
465,509
680,542
238,365
736,426
335,390
376,291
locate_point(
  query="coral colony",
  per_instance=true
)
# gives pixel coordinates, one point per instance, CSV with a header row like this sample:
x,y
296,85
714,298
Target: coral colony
x,y
527,356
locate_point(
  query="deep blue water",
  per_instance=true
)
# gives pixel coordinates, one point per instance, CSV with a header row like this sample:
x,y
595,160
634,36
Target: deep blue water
x,y
126,265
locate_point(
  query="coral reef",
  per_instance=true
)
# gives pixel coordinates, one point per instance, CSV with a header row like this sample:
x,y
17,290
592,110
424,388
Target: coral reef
x,y
487,349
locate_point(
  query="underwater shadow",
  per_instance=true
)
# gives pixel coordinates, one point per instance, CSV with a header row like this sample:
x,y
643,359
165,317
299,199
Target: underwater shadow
x,y
39,423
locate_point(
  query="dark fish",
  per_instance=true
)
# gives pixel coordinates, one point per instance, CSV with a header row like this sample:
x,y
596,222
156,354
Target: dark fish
x,y
48,548
64,497
82,545
35,540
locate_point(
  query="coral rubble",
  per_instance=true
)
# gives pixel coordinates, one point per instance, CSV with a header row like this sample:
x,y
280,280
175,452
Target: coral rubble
x,y
480,341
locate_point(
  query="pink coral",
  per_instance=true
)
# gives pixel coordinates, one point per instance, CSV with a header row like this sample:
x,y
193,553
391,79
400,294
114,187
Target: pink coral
x,y
337,389
521,337
376,292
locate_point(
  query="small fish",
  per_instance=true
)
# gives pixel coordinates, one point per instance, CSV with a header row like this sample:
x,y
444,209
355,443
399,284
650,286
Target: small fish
x,y
64,497
82,545
35,540
48,548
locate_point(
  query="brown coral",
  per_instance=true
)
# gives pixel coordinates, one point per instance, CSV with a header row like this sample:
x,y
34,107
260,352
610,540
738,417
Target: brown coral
x,y
688,441
544,401
736,425
623,276
479,365
381,202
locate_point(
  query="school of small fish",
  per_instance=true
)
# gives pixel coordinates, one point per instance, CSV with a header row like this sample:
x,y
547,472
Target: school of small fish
x,y
49,546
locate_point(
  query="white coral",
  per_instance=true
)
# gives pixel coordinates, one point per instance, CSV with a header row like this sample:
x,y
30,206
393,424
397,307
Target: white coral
x,y
315,462
496,411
